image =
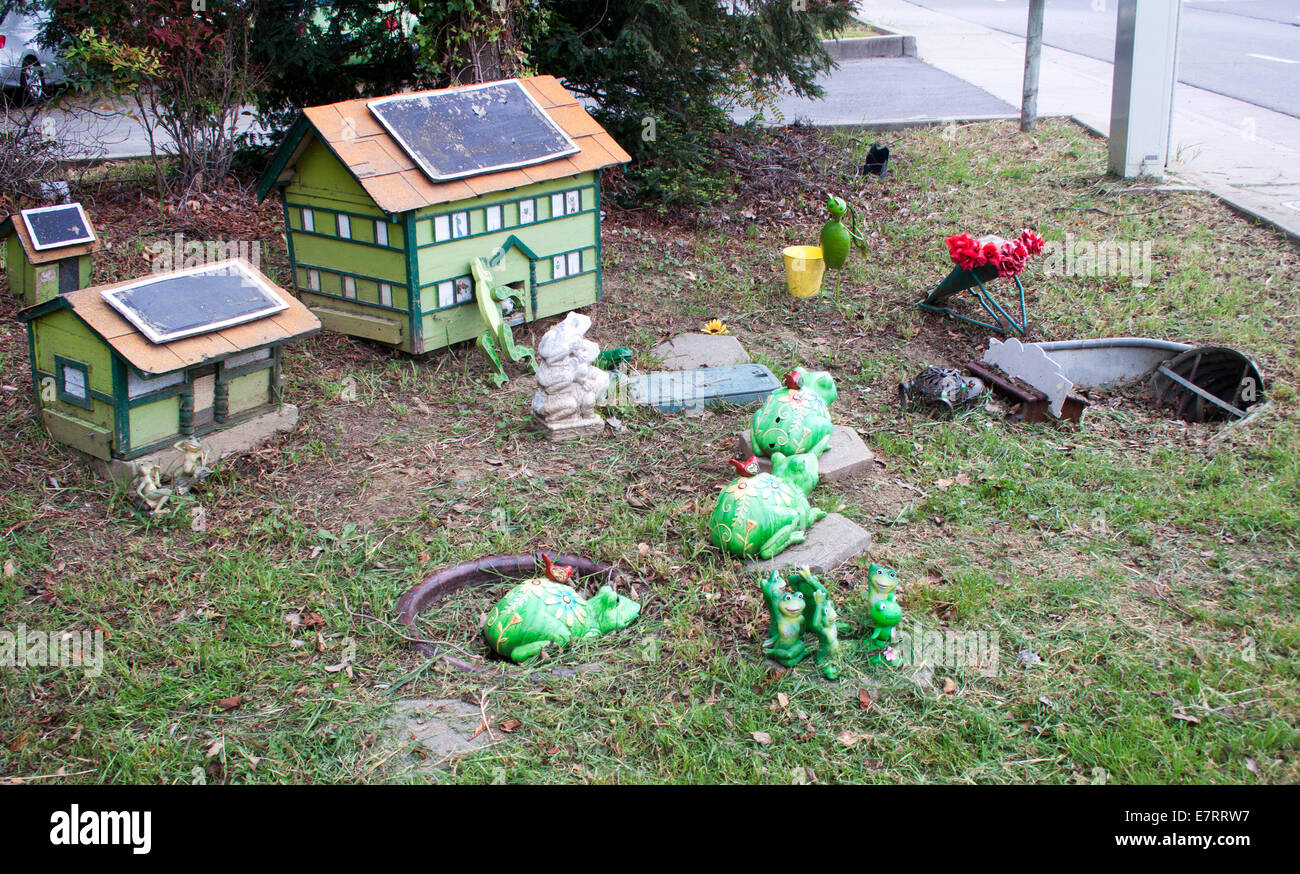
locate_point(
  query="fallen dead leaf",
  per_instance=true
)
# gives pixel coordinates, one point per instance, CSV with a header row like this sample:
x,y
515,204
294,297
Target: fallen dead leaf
x,y
943,484
782,699
762,737
949,685
231,703
864,699
509,725
848,738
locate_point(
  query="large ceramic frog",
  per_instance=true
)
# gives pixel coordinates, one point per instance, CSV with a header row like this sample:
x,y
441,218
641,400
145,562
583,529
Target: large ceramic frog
x,y
797,418
541,613
760,514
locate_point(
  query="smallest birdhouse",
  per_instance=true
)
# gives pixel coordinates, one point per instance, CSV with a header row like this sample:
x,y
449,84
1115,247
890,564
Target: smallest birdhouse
x,y
47,251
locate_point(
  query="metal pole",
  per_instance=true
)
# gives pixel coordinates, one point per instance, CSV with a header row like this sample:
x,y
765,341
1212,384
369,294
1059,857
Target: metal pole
x,y
1033,54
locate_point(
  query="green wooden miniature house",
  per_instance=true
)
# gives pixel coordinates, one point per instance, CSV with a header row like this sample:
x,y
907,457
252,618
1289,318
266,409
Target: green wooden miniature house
x,y
39,269
103,385
389,203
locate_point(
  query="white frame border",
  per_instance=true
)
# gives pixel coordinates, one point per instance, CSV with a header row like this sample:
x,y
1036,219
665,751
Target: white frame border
x,y
429,171
110,296
31,234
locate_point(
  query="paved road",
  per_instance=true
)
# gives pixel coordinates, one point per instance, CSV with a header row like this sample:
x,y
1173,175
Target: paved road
x,y
1247,49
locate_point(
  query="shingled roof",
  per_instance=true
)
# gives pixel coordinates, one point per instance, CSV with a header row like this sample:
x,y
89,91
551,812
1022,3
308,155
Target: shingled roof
x,y
157,358
394,181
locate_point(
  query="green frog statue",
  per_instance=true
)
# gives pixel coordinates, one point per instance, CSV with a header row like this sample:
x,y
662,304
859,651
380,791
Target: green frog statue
x,y
760,514
885,615
803,608
546,613
797,418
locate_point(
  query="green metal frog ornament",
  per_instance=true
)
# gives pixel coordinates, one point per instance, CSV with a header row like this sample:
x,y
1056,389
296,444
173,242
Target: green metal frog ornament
x,y
885,615
760,514
836,240
546,613
803,608
796,419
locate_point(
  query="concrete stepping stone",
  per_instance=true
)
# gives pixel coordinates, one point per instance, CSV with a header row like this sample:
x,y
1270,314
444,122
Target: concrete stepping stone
x,y
831,542
847,457
693,351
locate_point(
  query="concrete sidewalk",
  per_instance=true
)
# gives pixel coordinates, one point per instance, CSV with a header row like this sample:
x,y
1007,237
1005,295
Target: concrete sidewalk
x,y
885,92
1247,155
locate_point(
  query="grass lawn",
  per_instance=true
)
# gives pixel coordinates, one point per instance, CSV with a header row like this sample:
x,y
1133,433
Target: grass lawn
x,y
1150,566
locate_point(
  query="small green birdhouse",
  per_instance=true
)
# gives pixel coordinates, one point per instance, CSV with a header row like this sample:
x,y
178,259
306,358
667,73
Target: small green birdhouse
x,y
47,251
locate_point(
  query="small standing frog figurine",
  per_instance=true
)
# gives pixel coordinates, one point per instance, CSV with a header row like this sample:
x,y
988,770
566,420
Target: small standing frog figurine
x,y
147,488
836,240
885,615
803,608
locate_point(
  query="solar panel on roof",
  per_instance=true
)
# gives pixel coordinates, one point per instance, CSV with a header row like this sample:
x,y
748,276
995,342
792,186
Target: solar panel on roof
x,y
51,227
195,301
466,131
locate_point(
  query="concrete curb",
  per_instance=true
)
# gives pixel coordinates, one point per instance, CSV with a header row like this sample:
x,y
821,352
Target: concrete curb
x,y
895,45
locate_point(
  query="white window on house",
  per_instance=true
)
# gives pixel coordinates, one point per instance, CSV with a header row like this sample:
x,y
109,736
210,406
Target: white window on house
x,y
138,386
527,211
313,280
441,228
73,379
242,358
464,290
385,294
575,263
557,205
446,293
344,225
350,287
460,225
572,202
381,232
308,220
494,218
558,264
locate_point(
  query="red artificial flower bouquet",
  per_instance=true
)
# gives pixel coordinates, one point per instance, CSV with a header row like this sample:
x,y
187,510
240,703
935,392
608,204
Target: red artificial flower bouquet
x,y
1008,257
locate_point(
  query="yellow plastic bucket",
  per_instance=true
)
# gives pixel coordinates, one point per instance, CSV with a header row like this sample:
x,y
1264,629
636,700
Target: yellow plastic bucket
x,y
804,269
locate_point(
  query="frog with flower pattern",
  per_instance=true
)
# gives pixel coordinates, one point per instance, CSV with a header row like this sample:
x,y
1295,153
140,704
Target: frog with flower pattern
x,y
545,613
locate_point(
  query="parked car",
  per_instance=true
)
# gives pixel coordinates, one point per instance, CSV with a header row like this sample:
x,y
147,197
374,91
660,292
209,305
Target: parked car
x,y
24,65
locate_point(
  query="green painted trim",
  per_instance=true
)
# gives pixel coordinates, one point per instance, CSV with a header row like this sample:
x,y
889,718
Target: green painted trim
x,y
533,224
86,403
305,266
45,307
299,127
513,242
600,279
546,282
387,247
413,284
94,395
121,405
31,361
365,303
288,236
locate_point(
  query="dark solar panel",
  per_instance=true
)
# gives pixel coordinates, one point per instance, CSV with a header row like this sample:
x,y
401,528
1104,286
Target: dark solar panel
x,y
195,301
53,226
466,131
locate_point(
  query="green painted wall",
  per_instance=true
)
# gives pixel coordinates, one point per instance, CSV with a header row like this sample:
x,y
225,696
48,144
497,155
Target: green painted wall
x,y
61,333
157,421
250,390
